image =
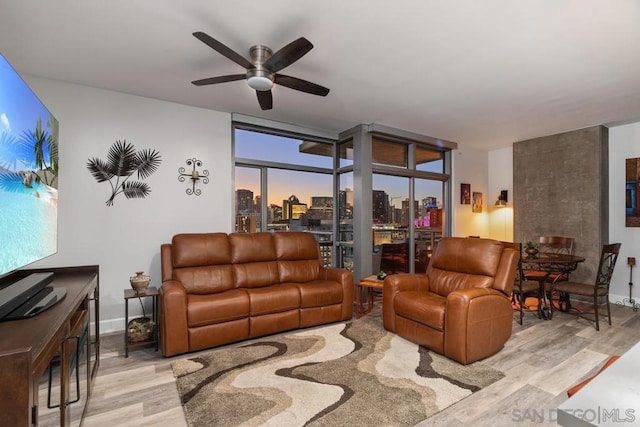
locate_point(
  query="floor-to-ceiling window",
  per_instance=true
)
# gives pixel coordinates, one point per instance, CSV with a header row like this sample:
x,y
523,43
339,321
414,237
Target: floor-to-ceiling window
x,y
401,194
408,196
284,183
375,202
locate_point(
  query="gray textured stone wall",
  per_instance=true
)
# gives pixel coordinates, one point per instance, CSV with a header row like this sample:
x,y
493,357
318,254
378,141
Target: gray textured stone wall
x,y
560,187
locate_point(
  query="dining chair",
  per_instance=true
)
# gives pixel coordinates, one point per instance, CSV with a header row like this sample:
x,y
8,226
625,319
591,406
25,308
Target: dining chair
x,y
554,245
608,259
522,288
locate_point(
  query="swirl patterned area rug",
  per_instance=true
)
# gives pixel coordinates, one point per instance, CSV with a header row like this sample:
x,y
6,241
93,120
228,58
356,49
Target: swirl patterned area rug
x,y
345,374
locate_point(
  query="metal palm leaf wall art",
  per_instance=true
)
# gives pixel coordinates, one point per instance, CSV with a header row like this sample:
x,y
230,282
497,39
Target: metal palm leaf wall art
x,y
123,161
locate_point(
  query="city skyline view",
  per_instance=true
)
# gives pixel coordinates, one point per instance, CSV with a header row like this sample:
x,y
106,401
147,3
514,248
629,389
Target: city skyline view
x,y
283,183
290,172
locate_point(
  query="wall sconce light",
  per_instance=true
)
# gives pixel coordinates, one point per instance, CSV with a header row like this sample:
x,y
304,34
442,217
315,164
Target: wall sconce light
x,y
503,198
194,176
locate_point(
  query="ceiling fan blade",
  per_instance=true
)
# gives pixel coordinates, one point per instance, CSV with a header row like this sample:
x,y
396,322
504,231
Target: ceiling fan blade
x,y
288,55
301,85
265,99
219,79
223,50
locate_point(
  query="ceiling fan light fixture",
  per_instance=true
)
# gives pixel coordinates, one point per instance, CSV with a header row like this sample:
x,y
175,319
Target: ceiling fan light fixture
x,y
261,71
259,79
260,83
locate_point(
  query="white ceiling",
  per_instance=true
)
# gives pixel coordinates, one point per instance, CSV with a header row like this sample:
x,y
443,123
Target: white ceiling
x,y
485,72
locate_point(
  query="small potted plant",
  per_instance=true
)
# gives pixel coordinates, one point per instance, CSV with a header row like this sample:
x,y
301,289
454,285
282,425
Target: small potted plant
x,y
531,249
381,275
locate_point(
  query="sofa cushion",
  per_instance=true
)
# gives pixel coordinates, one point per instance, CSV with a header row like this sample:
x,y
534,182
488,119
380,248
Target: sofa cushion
x,y
256,274
199,249
460,263
298,256
295,245
273,299
298,271
217,308
319,293
444,282
252,247
206,279
471,256
423,307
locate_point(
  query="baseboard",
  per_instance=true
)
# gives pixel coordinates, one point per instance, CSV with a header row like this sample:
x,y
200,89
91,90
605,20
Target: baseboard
x,y
620,300
112,325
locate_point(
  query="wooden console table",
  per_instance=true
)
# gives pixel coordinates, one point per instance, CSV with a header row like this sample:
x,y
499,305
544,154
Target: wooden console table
x,y
30,347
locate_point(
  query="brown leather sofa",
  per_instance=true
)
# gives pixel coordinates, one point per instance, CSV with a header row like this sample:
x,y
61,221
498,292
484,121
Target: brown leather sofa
x,y
218,288
460,308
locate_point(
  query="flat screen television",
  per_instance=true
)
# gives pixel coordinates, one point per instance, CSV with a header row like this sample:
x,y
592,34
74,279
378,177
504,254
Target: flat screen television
x,y
28,191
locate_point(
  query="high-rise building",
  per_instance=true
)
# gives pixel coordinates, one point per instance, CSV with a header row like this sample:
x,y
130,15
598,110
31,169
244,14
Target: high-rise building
x,y
404,217
321,208
274,214
292,208
244,201
257,206
321,201
380,204
349,195
345,203
246,223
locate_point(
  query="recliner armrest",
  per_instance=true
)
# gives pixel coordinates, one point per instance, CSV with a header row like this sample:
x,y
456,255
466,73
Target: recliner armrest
x,y
394,284
345,278
173,318
476,320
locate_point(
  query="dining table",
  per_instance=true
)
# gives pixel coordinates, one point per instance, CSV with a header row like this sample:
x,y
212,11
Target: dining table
x,y
550,263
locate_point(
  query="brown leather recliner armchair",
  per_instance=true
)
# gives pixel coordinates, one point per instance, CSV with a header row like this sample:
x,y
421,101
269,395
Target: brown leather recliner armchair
x,y
460,308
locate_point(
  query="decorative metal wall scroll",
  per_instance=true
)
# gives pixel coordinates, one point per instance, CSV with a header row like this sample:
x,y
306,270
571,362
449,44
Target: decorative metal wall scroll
x,y
194,175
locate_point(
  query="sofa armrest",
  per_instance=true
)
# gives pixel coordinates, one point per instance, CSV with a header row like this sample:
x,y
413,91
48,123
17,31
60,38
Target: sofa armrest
x,y
478,322
345,278
173,318
394,284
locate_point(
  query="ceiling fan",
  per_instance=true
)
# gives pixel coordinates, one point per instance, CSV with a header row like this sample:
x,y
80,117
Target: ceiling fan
x,y
262,70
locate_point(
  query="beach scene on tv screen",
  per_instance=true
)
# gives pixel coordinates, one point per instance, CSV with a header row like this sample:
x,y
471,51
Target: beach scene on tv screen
x,y
28,174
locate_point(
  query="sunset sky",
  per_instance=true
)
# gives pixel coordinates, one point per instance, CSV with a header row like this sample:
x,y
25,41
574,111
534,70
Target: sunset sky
x,y
304,185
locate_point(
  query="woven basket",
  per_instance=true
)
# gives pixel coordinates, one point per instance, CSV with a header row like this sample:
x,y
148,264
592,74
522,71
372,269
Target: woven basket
x,y
140,329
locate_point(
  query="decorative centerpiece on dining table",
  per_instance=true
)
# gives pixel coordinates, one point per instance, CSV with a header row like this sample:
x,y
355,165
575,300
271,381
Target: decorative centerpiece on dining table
x,y
531,249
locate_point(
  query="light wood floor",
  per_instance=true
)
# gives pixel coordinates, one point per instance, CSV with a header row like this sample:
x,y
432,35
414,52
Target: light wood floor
x,y
541,360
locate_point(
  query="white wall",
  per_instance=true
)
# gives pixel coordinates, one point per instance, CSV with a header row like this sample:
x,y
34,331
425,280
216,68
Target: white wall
x,y
470,167
488,173
126,237
624,143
